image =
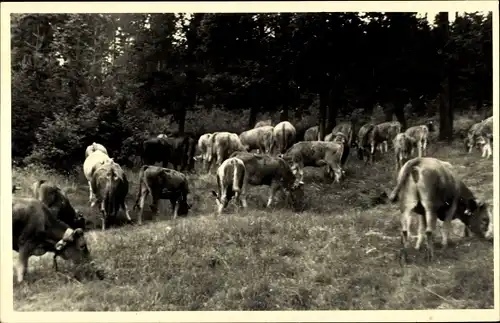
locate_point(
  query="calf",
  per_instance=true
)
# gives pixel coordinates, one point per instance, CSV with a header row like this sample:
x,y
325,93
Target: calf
x,y
36,231
95,147
111,186
403,148
420,136
315,154
429,187
271,171
162,183
260,138
230,181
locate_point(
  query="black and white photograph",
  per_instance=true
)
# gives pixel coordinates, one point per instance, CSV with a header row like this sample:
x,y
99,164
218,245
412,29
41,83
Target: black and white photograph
x,y
250,159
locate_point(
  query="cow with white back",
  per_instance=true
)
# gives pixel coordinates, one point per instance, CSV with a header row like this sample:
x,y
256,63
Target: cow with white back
x,y
36,231
230,183
315,154
420,136
110,184
273,172
95,147
91,162
162,183
260,138
284,134
430,188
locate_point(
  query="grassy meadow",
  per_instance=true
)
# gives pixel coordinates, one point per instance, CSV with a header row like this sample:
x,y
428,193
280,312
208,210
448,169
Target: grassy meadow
x,y
341,252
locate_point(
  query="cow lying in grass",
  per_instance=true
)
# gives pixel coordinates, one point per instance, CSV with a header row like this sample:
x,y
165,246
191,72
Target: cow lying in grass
x,y
429,187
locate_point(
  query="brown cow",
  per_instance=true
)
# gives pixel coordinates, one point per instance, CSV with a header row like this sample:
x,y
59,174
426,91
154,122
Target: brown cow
x,y
484,137
403,148
223,145
363,142
429,187
383,133
205,150
230,182
311,134
347,128
420,135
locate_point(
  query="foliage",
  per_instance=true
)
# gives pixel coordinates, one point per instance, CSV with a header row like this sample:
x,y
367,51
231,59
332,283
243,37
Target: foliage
x,y
119,78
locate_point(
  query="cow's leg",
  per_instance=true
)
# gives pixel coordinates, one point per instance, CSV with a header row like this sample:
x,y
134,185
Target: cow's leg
x,y
175,205
91,195
419,148
447,224
144,194
103,216
424,147
22,260
386,145
405,230
272,193
127,213
54,262
430,225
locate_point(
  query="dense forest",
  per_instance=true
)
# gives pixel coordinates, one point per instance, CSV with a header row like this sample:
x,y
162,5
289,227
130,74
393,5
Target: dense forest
x,y
120,78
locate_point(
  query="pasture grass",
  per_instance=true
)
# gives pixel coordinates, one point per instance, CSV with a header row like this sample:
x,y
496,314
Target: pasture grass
x,y
341,252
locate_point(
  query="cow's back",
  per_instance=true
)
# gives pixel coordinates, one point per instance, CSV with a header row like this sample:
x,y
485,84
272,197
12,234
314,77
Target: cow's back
x,y
364,134
263,169
92,161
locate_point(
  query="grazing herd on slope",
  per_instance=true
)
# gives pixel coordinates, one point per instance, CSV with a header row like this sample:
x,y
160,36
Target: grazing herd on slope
x,y
429,187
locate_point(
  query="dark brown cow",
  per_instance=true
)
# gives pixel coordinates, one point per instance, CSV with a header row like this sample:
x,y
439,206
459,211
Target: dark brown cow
x,y
273,172
429,187
36,231
162,183
383,133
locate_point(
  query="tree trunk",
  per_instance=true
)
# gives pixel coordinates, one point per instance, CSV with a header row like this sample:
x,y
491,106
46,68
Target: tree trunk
x,y
332,111
445,110
253,117
323,102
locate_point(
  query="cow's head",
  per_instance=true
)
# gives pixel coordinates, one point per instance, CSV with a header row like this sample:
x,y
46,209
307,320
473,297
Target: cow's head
x,y
481,141
479,219
73,246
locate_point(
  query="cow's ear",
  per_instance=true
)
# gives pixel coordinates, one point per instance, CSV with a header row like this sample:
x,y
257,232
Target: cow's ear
x,y
321,162
214,193
77,233
60,245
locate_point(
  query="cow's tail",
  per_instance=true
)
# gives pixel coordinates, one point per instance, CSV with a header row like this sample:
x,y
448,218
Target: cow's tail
x,y
139,191
109,199
404,173
283,140
236,175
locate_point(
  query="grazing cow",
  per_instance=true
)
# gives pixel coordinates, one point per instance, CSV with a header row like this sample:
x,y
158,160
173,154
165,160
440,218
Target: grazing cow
x,y
347,128
484,137
223,145
283,137
315,154
110,185
311,134
162,183
363,142
58,203
429,187
94,147
36,231
271,171
403,148
263,123
383,133
91,162
420,136
341,138
178,150
230,182
260,138
471,136
205,150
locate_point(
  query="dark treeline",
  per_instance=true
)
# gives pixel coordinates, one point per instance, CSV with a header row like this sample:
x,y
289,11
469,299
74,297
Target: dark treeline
x,y
110,78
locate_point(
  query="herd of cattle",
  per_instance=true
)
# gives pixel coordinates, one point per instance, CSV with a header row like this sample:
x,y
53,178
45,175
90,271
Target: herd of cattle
x,y
427,186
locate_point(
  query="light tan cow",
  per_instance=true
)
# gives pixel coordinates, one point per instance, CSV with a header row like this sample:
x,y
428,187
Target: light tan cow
x,y
205,150
420,135
284,134
95,147
263,123
403,148
231,182
260,138
223,145
484,137
430,188
471,136
91,162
